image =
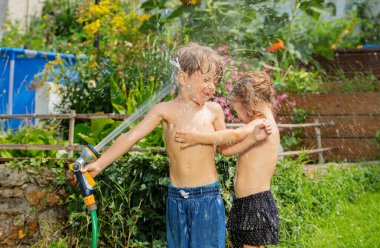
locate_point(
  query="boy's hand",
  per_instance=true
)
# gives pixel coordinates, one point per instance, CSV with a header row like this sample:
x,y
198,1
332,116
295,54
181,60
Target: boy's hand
x,y
187,138
262,131
92,168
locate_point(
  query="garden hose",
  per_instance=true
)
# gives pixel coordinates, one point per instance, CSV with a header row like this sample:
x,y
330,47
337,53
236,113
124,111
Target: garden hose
x,y
86,184
94,221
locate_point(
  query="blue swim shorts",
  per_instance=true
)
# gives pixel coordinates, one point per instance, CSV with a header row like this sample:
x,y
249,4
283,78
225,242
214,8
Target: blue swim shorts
x,y
195,217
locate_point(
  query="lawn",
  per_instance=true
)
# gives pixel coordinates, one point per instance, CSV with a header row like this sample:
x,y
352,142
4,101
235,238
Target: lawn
x,y
353,224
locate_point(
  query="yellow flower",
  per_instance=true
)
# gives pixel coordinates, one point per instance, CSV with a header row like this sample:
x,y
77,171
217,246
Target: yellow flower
x,y
334,46
117,23
21,234
143,17
359,46
346,31
94,10
92,27
169,40
80,20
93,65
57,61
151,78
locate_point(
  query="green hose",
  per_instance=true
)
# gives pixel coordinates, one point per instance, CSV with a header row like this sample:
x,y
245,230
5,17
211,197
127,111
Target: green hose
x,y
94,218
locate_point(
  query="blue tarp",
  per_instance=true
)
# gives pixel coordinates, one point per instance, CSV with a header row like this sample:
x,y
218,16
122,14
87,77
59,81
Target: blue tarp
x,y
17,70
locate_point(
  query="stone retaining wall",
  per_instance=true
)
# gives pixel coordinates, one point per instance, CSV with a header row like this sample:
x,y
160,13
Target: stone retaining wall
x,y
30,207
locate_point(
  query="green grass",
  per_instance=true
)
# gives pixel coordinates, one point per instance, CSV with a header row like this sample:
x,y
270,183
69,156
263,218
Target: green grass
x,y
354,224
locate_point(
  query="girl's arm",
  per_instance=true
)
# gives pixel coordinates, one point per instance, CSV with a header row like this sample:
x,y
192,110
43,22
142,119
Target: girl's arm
x,y
238,148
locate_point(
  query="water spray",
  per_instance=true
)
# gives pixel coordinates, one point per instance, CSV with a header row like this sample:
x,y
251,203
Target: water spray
x,y
90,154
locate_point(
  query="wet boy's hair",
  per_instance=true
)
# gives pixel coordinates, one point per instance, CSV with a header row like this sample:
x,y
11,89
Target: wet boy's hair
x,y
253,88
193,57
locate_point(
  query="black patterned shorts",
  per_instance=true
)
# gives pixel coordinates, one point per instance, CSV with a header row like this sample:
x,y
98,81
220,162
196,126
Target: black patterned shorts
x,y
254,220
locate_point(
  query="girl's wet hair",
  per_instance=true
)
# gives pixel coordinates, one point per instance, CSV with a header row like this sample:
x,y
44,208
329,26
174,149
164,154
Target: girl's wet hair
x,y
251,89
193,57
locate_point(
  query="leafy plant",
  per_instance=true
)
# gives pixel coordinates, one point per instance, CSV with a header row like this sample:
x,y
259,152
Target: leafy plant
x,y
295,80
33,136
97,130
369,22
291,140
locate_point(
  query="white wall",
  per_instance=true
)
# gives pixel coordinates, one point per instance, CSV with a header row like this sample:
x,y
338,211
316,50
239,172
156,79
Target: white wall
x,y
23,11
3,11
19,10
47,97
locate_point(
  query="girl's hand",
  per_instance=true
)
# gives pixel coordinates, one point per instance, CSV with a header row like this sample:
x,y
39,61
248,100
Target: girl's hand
x,y
187,138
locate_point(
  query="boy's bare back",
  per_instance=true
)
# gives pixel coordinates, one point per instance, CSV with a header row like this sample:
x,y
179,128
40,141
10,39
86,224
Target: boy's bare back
x,y
256,166
194,166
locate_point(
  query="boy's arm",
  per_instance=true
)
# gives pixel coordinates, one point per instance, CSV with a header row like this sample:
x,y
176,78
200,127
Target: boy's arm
x,y
125,141
219,123
258,129
190,138
223,136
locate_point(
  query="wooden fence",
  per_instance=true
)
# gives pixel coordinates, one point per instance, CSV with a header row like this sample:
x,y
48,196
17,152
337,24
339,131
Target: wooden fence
x,y
74,116
357,119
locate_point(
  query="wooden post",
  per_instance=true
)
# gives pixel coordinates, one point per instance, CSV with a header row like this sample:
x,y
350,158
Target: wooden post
x,y
318,138
71,131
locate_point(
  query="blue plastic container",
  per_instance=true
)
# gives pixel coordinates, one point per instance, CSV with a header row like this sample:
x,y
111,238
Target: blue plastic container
x,y
17,70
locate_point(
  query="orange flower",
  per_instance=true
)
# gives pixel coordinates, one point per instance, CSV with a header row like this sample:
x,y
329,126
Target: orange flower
x,y
276,46
334,46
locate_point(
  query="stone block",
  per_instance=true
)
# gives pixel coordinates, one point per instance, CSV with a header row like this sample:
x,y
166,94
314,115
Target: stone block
x,y
11,193
42,199
12,177
14,206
